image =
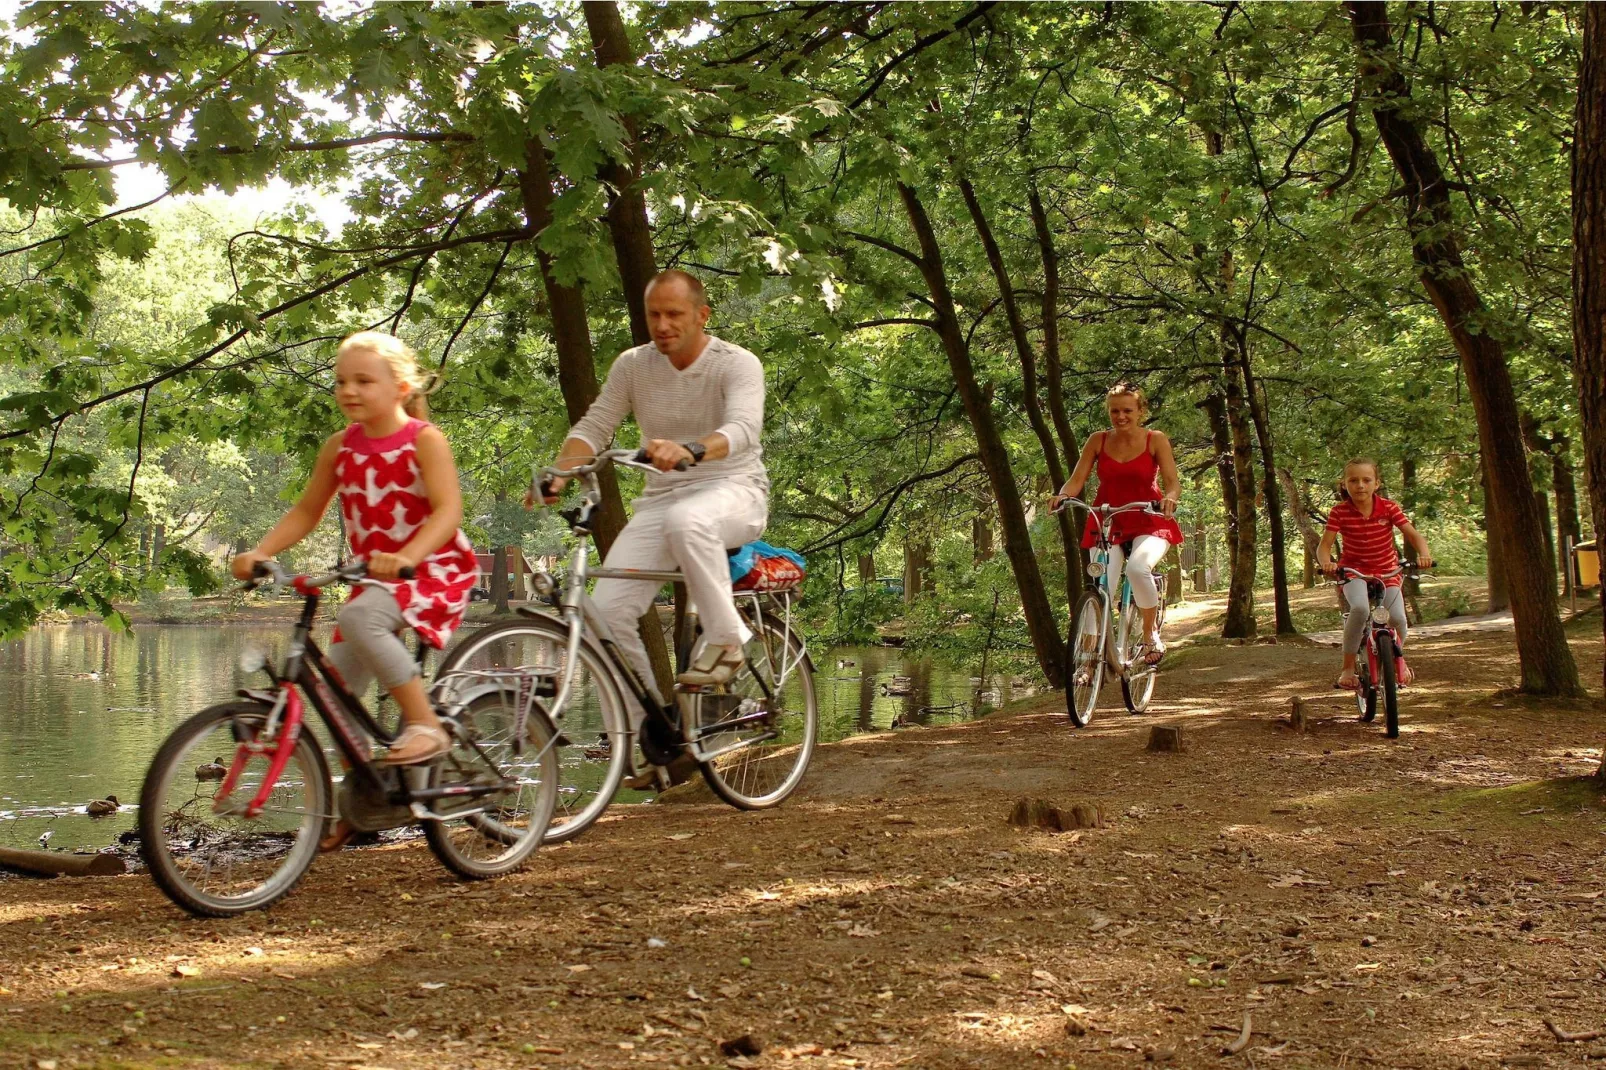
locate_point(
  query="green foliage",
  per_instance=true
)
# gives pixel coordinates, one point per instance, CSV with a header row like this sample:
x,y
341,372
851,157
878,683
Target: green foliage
x,y
167,370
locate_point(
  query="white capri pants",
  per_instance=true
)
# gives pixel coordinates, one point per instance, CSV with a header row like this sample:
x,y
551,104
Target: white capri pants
x,y
690,526
1360,606
1147,551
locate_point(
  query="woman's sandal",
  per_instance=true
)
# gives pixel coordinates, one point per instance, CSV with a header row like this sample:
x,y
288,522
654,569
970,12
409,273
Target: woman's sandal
x,y
1154,650
399,754
714,665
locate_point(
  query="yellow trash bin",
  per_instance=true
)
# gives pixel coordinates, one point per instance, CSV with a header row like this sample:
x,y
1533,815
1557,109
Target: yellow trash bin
x,y
1587,571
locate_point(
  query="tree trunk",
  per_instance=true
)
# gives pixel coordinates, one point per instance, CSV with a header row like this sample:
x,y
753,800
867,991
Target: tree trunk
x,y
916,568
577,380
1039,614
1411,586
1201,554
1240,620
1216,410
1566,490
1054,371
981,536
628,225
866,569
1589,268
1494,562
1070,542
1260,413
1546,662
1309,533
499,579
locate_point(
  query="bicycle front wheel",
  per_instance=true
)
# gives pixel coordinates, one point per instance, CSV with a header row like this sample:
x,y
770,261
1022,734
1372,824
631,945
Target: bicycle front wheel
x,y
1385,670
1084,659
593,743
761,733
489,833
202,850
1137,683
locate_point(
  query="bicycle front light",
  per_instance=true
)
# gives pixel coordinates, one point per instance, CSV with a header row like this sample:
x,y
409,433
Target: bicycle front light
x,y
543,583
1380,615
1095,569
253,659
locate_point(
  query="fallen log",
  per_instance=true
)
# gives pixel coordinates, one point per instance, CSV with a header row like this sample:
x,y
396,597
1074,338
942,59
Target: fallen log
x,y
61,863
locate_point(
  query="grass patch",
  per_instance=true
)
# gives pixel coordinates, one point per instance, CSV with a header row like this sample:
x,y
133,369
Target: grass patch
x,y
1529,802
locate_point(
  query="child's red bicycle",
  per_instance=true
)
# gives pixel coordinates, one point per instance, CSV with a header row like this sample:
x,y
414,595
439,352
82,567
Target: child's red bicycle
x,y
1376,672
236,799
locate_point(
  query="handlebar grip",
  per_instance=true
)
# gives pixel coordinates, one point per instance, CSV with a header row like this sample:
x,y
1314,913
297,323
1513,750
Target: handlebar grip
x,y
261,570
543,489
642,458
406,573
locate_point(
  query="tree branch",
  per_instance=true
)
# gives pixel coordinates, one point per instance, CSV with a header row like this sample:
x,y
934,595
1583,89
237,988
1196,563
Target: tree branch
x,y
294,146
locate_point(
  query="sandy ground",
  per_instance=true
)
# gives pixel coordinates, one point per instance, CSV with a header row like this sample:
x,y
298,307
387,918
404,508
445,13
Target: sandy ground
x,y
1424,902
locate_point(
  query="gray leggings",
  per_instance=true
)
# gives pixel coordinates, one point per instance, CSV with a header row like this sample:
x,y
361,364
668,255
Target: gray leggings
x,y
370,648
1355,619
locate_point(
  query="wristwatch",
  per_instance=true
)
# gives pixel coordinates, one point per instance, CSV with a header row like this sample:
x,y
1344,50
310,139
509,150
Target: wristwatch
x,y
696,449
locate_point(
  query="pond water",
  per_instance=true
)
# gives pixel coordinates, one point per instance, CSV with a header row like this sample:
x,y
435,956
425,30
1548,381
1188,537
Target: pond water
x,y
86,708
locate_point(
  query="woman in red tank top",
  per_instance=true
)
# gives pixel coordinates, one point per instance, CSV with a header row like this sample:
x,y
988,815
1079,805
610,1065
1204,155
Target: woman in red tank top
x,y
1132,462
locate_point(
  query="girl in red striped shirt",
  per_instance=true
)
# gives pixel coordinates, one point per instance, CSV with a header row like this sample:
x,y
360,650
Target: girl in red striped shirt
x,y
1366,521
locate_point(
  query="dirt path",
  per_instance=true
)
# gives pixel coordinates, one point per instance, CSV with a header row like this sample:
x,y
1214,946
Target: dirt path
x,y
1425,902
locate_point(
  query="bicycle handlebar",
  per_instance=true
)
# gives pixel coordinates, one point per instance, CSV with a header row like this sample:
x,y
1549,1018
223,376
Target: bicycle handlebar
x,y
1406,567
1154,507
627,457
272,573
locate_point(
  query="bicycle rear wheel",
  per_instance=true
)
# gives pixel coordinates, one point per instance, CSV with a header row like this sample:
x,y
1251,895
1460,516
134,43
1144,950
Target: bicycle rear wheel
x,y
201,849
593,744
1391,701
496,832
1084,659
763,730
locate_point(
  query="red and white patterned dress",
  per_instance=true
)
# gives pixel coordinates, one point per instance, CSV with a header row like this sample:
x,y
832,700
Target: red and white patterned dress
x,y
384,503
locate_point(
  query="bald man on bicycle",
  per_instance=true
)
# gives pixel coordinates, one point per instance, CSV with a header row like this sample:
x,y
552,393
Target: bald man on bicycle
x,y
699,402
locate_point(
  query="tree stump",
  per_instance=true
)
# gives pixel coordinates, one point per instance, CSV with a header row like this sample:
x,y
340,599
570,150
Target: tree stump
x,y
1040,813
1167,738
1298,715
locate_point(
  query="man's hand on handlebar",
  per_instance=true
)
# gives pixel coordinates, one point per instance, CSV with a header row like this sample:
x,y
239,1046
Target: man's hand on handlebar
x,y
545,492
667,456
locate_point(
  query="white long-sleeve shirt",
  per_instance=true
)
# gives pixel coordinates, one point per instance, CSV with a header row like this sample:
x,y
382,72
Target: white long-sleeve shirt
x,y
722,391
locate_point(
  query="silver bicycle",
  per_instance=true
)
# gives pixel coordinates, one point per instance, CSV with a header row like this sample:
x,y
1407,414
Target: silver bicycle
x,y
1107,627
751,738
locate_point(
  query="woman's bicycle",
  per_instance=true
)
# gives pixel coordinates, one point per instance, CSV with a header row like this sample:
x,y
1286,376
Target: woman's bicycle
x,y
1106,629
752,738
236,799
1376,673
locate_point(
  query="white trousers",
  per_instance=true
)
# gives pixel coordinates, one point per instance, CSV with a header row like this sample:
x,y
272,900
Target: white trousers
x,y
1147,550
690,527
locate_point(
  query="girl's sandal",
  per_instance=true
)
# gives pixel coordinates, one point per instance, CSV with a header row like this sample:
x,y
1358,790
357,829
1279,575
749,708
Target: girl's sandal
x,y
1348,681
1402,673
416,745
